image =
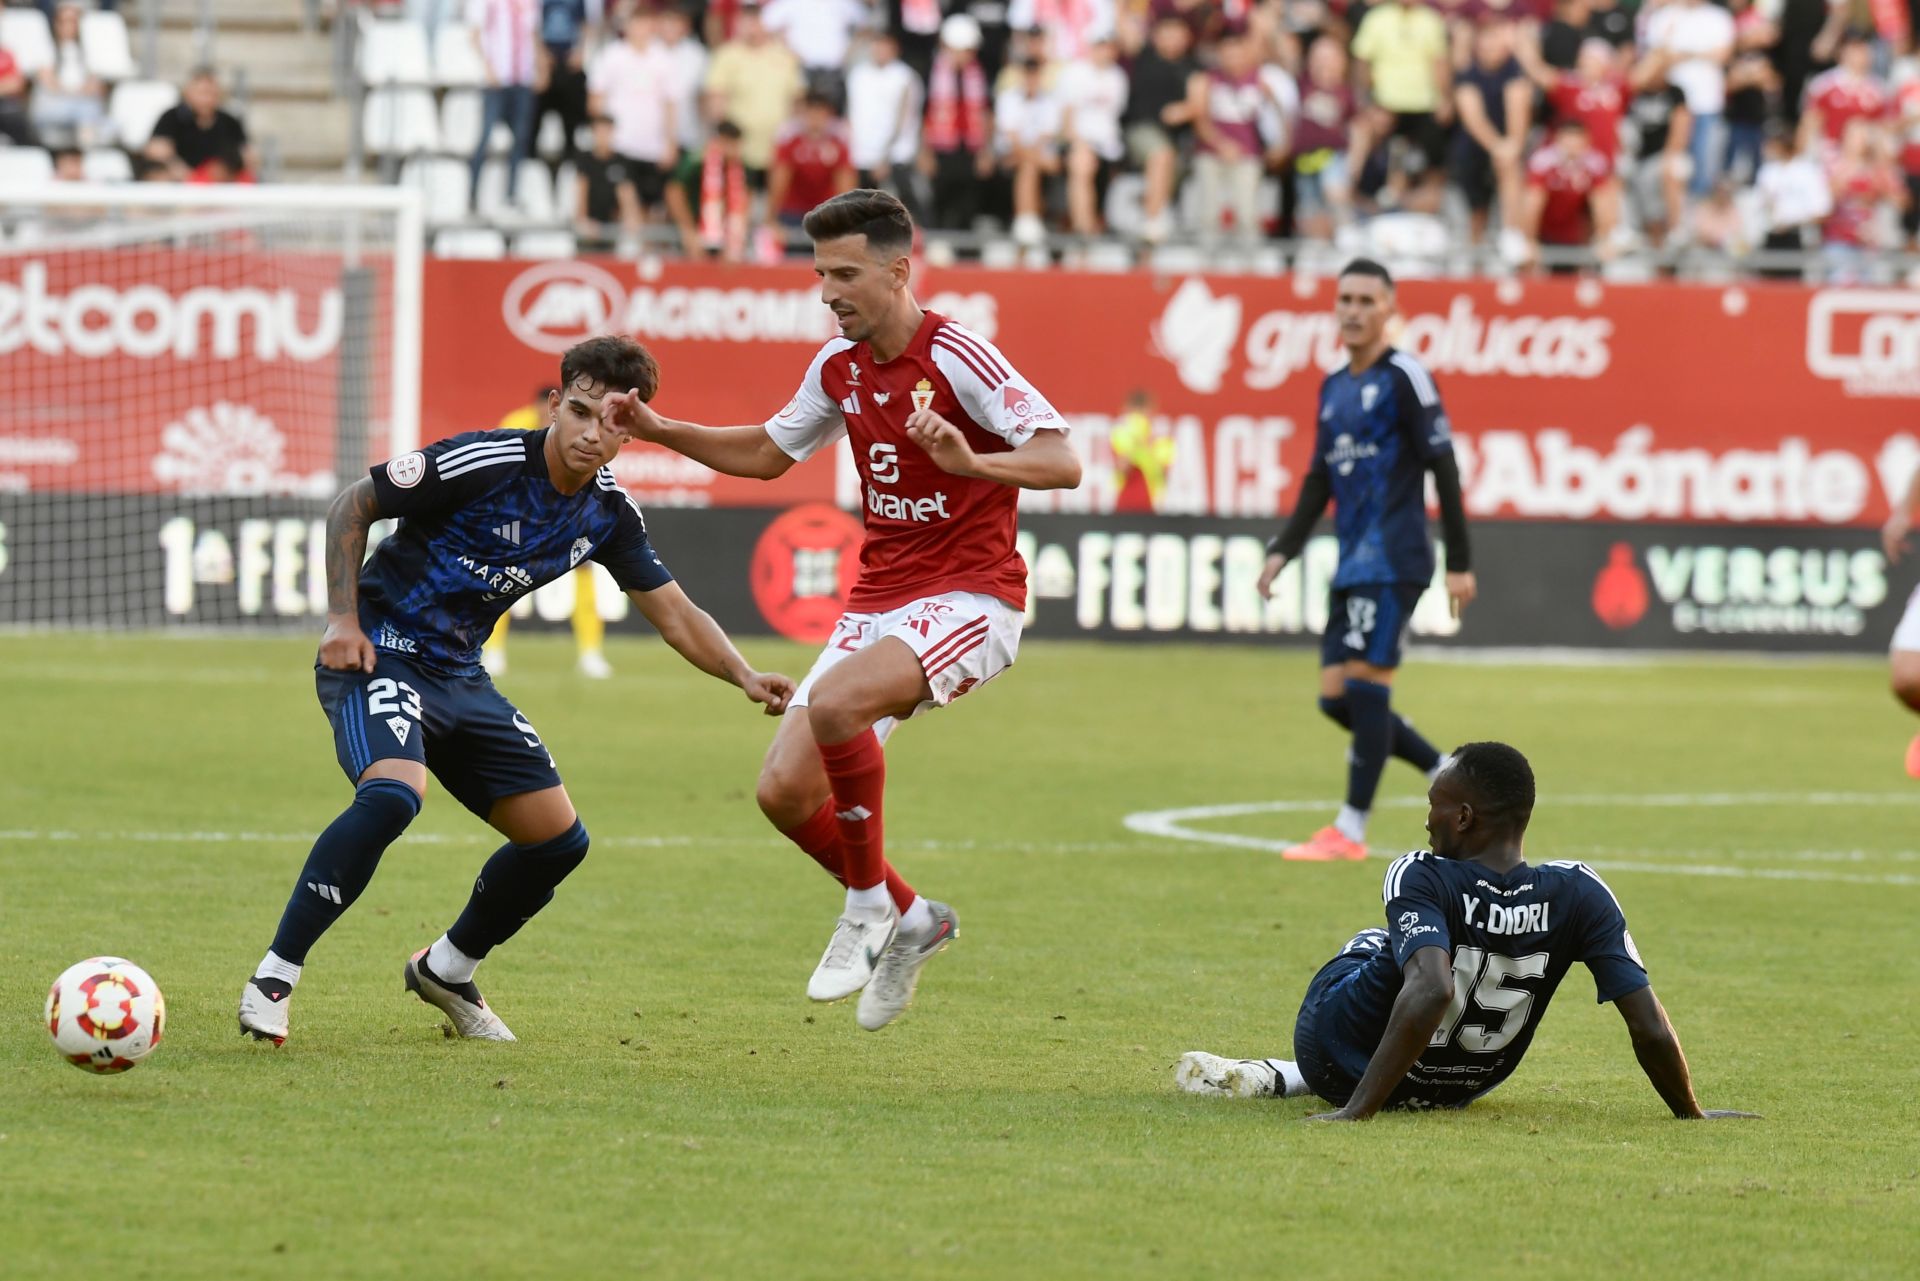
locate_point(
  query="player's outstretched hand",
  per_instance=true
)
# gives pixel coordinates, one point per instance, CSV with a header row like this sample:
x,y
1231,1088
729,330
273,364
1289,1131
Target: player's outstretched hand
x,y
627,414
345,648
1461,589
1269,572
945,444
770,689
1341,1115
1728,1114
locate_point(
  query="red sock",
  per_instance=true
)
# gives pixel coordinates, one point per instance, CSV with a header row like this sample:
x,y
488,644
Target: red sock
x,y
857,771
819,836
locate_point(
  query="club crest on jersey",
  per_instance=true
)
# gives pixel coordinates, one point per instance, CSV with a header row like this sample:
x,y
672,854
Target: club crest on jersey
x,y
581,546
407,470
923,395
855,372
399,725
1368,394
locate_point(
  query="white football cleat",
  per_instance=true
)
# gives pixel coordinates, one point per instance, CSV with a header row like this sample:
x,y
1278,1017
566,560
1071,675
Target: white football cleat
x,y
261,1016
847,964
462,1003
594,665
1198,1072
891,991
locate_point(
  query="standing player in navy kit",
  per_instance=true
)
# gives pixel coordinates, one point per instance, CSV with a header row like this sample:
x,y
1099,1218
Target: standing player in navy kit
x,y
1440,1007
485,518
1381,430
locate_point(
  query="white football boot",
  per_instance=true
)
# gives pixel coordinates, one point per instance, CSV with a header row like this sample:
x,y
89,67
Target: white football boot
x,y
1198,1072
261,1016
462,1003
594,665
891,991
855,948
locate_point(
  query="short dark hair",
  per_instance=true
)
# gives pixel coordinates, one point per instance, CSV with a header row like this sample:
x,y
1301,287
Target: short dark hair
x,y
877,215
1368,267
615,363
1498,781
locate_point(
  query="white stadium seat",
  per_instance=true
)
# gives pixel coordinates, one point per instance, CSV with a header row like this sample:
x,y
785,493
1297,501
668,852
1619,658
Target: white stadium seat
x,y
136,105
103,39
22,167
532,199
107,164
461,112
400,122
545,244
24,33
469,242
552,139
443,180
393,51
456,59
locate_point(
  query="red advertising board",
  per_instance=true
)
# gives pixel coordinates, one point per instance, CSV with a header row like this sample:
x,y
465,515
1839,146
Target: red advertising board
x,y
1757,403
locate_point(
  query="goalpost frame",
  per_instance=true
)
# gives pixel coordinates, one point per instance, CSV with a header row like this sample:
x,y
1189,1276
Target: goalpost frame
x,y
409,251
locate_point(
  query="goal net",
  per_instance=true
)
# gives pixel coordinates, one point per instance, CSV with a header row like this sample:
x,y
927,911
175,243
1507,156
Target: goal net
x,y
187,377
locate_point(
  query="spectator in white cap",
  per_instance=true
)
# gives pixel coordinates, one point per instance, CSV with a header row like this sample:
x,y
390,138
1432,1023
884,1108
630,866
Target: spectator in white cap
x,y
957,152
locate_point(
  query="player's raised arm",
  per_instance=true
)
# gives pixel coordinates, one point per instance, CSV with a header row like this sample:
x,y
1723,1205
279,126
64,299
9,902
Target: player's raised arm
x,y
736,451
1657,1047
701,641
345,647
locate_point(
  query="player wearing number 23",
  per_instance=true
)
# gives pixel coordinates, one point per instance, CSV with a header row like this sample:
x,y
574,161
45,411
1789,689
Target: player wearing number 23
x,y
1440,1006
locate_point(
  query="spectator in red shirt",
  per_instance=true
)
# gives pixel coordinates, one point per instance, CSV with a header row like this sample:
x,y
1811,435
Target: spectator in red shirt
x,y
811,161
1849,91
1571,198
1594,92
1863,181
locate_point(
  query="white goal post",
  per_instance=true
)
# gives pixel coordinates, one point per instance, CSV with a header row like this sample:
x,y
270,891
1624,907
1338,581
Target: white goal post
x,y
188,374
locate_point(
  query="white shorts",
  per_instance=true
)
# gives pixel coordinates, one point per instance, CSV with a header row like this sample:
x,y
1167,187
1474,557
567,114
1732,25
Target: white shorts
x,y
1907,634
963,640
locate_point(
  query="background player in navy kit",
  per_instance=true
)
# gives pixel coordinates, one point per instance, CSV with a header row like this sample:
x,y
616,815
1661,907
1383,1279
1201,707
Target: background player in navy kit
x,y
1381,430
484,518
1440,1007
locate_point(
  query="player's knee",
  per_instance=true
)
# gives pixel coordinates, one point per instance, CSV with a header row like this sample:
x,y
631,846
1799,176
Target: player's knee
x,y
782,795
564,852
391,802
1906,685
1335,710
834,720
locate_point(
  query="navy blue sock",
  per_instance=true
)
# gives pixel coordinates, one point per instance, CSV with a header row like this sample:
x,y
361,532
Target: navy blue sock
x,y
1408,744
1372,714
342,862
515,884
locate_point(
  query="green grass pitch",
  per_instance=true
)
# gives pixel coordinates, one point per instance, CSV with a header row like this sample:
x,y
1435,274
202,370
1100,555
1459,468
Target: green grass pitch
x,y
676,1108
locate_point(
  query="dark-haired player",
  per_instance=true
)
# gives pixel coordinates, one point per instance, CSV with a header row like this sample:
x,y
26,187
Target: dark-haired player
x,y
1440,1006
485,517
1381,430
944,431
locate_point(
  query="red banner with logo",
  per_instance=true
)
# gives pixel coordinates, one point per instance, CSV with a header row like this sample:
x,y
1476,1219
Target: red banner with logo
x,y
1759,403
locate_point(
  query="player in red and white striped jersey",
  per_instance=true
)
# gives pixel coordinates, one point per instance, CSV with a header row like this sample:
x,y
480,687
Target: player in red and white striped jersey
x,y
944,432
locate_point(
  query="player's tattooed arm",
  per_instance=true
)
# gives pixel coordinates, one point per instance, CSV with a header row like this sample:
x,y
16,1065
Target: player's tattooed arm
x,y
345,647
694,635
1657,1047
1425,991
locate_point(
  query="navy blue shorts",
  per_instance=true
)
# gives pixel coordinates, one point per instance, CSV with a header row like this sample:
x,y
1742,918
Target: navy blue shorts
x,y
1333,1063
1368,623
460,727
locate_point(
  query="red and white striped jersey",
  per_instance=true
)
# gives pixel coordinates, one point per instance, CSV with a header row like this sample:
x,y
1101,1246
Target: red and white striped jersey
x,y
928,531
1840,97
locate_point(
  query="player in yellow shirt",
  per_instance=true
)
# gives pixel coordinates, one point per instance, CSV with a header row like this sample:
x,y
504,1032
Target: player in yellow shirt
x,y
589,632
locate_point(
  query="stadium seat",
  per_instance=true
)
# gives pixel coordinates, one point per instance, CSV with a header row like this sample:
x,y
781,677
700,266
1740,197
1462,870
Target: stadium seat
x,y
103,39
443,181
24,167
24,33
469,242
1108,255
545,244
399,122
107,164
552,138
136,105
564,183
460,116
533,199
393,51
456,60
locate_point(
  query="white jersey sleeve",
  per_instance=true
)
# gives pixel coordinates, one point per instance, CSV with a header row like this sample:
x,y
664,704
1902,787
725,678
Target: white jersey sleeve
x,y
989,389
811,421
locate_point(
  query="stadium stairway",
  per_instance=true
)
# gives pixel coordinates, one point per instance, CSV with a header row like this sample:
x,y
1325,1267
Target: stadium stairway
x,y
273,65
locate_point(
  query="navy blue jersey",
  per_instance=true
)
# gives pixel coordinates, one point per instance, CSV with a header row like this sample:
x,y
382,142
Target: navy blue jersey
x,y
480,526
1378,432
1512,939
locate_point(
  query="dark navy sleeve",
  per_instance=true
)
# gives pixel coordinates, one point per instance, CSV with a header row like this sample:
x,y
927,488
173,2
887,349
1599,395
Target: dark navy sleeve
x,y
1416,900
449,473
628,554
1423,421
1605,945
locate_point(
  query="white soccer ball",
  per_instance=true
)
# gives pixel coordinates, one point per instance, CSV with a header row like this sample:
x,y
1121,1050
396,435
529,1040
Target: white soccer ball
x,y
105,1014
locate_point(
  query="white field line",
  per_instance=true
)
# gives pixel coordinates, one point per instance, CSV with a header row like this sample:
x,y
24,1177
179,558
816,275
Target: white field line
x,y
1174,824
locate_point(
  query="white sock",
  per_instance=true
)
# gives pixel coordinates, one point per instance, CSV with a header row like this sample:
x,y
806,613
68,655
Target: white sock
x,y
1352,824
1292,1084
1444,761
274,967
449,962
865,904
917,919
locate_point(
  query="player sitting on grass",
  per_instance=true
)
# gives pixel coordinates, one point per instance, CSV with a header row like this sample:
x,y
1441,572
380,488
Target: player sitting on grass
x,y
485,518
1439,1007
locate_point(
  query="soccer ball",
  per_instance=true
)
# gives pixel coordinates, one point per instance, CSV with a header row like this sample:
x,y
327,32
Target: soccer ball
x,y
105,1014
